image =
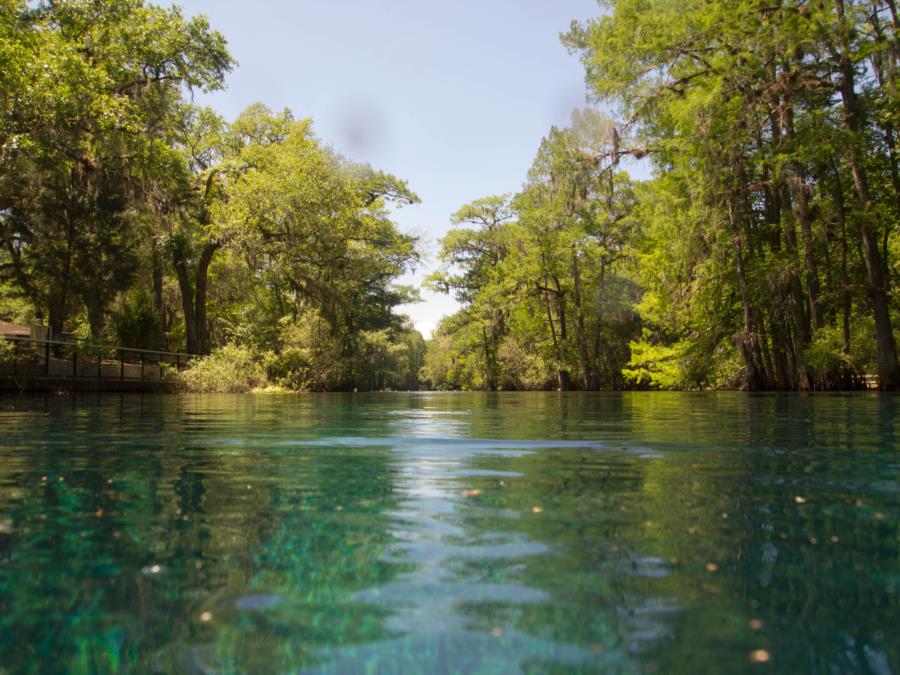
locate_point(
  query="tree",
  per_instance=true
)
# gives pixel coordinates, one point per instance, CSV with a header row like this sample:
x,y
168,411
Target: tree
x,y
767,114
472,259
84,124
540,272
317,231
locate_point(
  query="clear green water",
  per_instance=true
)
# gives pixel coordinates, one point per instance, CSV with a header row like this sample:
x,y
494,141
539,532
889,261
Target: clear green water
x,y
433,533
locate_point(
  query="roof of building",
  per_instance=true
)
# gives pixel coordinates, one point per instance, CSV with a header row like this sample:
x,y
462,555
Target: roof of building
x,y
14,329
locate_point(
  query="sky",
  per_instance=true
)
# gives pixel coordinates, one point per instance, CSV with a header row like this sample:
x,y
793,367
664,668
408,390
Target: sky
x,y
453,97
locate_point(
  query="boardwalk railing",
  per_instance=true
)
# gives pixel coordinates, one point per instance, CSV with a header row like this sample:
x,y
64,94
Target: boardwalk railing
x,y
31,358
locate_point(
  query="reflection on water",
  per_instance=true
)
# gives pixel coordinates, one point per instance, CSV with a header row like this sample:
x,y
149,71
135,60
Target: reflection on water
x,y
670,533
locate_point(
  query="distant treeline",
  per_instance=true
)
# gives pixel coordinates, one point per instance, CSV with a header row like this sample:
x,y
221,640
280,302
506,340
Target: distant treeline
x,y
760,255
130,216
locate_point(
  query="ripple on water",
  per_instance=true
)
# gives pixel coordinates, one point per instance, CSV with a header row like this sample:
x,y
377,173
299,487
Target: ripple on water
x,y
435,533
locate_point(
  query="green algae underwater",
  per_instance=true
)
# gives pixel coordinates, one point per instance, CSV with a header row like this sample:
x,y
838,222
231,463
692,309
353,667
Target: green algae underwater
x,y
450,533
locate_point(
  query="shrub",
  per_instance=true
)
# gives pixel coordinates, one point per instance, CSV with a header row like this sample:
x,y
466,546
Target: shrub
x,y
831,367
309,359
521,368
232,369
824,354
659,366
136,323
7,349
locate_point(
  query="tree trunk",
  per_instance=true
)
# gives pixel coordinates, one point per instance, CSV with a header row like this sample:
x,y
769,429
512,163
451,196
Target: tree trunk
x,y
200,292
158,303
579,323
746,341
59,294
783,375
886,349
96,316
490,359
563,377
187,306
561,311
846,290
766,357
801,206
193,296
56,311
550,322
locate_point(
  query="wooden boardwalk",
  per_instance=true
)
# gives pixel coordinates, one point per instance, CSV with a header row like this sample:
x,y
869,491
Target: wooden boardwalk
x,y
72,366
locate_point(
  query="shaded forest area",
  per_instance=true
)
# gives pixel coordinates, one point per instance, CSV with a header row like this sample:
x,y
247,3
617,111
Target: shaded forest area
x,y
760,254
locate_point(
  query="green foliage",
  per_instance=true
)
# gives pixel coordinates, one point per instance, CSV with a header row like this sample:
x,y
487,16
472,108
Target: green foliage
x,y
228,370
309,358
544,276
136,323
829,361
761,255
302,258
768,230
131,215
95,88
7,349
521,368
660,366
13,306
825,352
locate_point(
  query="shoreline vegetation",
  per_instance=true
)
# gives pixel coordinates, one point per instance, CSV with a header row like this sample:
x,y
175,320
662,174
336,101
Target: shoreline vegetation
x,y
759,254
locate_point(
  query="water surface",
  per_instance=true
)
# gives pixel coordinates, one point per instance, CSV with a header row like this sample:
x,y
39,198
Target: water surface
x,y
444,533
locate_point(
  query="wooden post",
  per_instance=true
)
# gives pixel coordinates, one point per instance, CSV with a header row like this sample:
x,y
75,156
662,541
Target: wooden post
x,y
47,358
121,365
142,366
74,360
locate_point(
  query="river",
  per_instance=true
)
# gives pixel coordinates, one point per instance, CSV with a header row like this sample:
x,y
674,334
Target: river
x,y
450,532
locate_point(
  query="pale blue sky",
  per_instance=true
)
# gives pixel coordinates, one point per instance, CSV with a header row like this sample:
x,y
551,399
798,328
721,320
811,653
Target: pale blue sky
x,y
453,97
